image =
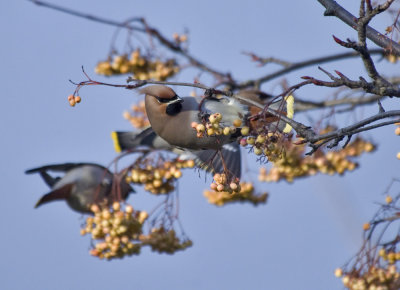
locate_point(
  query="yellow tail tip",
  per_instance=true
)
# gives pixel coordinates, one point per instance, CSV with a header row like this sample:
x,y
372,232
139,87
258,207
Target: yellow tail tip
x,y
114,137
289,112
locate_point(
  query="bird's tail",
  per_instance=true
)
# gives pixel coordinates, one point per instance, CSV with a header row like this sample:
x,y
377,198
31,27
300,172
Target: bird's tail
x,y
124,140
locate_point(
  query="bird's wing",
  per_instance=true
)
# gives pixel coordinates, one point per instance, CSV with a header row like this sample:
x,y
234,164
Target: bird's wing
x,y
60,167
57,194
211,161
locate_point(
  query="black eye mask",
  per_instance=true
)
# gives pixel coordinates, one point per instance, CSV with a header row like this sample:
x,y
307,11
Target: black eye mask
x,y
163,100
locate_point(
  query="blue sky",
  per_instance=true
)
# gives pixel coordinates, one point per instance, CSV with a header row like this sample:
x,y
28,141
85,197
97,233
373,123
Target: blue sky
x,y
306,230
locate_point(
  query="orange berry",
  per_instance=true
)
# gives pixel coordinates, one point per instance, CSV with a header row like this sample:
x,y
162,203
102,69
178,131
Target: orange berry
x,y
366,226
94,208
397,131
237,123
183,38
77,99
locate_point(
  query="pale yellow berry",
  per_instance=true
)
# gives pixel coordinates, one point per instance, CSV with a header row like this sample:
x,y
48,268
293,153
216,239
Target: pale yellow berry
x,y
398,155
233,186
94,208
142,216
220,187
214,118
116,206
382,252
215,125
369,147
183,38
397,131
210,131
190,163
258,151
129,209
157,183
346,280
200,128
177,174
245,131
106,214
251,140
388,199
260,139
338,272
226,131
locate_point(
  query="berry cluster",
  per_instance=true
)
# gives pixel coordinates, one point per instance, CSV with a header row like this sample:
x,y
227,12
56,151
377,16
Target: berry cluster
x,y
221,182
142,67
372,268
212,126
389,255
158,179
179,38
270,145
164,241
246,194
138,117
114,230
376,278
73,100
289,161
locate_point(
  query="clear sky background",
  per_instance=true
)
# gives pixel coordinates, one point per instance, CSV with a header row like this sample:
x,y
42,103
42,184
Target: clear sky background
x,y
295,241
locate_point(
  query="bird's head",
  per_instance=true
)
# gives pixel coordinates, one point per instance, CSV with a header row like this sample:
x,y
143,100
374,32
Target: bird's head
x,y
162,99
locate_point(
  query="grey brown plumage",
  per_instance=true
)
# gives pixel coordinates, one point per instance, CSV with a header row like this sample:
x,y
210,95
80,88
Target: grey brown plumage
x,y
82,185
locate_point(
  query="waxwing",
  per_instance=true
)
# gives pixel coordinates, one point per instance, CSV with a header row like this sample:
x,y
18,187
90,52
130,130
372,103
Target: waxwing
x,y
171,116
82,185
205,159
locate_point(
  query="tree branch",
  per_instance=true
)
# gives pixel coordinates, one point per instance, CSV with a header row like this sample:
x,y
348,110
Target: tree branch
x,y
145,29
302,64
334,9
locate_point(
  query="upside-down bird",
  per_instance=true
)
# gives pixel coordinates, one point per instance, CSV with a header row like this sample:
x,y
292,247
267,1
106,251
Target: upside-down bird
x,y
82,185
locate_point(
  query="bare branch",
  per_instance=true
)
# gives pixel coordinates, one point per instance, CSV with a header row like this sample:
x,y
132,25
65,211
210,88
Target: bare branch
x,y
299,65
171,45
334,9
